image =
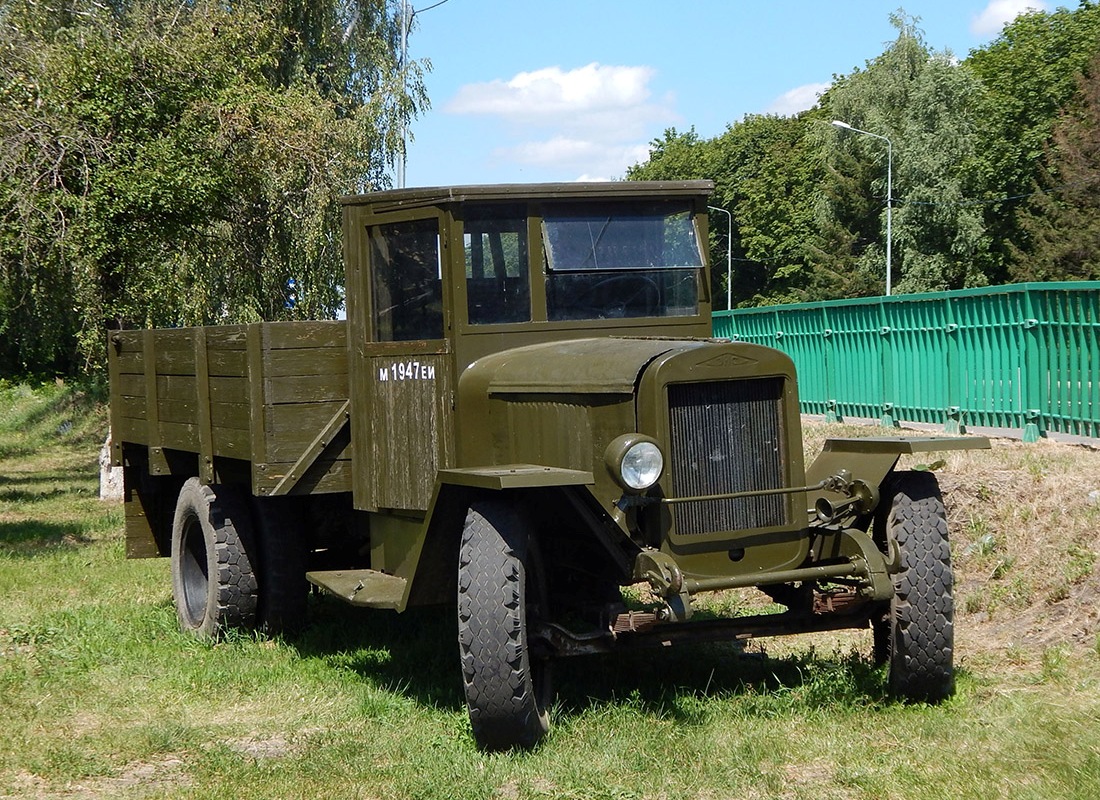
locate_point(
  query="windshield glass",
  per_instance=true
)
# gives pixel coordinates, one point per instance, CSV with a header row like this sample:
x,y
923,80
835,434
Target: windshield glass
x,y
611,260
621,236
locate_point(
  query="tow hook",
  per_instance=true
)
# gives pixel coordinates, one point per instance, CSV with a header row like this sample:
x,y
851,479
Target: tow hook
x,y
663,575
860,497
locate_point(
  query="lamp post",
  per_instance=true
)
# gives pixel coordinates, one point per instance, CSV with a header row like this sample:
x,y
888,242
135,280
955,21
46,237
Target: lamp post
x,y
729,255
889,190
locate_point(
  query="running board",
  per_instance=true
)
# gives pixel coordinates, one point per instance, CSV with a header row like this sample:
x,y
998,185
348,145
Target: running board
x,y
362,587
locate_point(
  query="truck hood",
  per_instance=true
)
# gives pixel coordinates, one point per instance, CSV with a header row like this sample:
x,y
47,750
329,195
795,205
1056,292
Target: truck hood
x,y
581,366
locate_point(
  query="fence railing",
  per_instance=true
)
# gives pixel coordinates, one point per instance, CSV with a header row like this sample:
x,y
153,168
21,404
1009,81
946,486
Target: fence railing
x,y
1024,357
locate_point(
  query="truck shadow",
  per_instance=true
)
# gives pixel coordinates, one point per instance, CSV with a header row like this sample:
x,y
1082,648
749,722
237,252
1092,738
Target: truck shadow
x,y
415,654
670,684
34,538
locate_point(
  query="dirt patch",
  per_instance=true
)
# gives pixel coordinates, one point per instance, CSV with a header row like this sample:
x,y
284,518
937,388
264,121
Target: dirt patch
x,y
1023,526
819,776
262,748
1074,622
140,779
24,784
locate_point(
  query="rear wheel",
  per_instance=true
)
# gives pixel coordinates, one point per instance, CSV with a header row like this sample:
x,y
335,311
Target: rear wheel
x,y
213,579
501,590
915,637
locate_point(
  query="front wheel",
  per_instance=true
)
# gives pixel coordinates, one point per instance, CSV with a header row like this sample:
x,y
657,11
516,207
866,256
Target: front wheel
x,y
501,589
915,637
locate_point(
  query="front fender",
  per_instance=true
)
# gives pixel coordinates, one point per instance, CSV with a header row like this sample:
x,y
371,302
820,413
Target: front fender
x,y
872,459
515,476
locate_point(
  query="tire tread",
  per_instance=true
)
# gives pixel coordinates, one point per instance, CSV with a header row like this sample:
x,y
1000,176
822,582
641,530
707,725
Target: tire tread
x,y
497,670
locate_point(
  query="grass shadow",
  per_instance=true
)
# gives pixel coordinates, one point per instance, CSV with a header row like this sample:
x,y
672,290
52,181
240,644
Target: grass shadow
x,y
25,538
29,496
415,654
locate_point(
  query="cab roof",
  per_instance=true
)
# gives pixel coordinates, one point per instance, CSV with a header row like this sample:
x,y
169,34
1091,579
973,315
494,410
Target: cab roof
x,y
393,199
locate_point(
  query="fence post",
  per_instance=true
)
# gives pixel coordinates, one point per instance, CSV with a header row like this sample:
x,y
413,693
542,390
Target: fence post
x,y
1032,371
887,360
954,422
831,412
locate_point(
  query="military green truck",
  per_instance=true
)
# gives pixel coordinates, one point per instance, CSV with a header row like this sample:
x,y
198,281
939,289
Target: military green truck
x,y
524,412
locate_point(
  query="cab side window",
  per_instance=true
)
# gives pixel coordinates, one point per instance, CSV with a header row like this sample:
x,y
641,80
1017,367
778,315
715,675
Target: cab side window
x,y
406,284
497,278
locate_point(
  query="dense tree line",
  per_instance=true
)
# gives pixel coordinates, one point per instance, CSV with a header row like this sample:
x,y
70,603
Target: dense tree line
x,y
169,163
996,170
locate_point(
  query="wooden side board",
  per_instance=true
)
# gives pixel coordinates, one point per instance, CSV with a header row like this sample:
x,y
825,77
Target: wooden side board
x,y
255,393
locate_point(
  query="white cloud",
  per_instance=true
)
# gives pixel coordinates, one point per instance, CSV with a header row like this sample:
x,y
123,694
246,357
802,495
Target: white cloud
x,y
552,91
592,120
797,99
1000,12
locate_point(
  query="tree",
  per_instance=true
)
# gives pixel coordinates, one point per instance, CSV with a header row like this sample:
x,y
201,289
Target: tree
x,y
923,102
809,201
1063,222
1030,73
171,164
764,173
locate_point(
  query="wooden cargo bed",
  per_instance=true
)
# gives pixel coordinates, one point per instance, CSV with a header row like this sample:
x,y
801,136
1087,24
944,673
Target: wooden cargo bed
x,y
271,397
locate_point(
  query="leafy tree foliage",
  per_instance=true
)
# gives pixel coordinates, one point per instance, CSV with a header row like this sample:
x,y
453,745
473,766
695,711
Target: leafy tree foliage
x,y
1030,73
925,103
169,164
1063,223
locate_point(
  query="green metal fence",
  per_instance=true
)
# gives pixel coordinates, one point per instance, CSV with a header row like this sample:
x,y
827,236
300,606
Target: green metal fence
x,y
1023,357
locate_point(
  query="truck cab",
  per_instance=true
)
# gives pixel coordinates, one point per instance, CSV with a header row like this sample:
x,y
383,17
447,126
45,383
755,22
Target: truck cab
x,y
439,279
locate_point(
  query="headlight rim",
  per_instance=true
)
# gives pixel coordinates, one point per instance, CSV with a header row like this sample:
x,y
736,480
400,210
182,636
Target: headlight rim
x,y
616,454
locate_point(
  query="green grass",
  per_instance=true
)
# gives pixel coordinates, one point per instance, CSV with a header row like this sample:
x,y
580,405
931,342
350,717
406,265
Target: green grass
x,y
102,696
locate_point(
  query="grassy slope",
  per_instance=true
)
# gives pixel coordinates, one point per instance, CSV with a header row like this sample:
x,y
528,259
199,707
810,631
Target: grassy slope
x,y
101,696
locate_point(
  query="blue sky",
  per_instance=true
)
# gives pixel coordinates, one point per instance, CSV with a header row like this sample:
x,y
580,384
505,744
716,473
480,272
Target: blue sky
x,y
563,90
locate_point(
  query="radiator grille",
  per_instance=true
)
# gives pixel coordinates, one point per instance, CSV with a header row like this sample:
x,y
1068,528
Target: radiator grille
x,y
727,436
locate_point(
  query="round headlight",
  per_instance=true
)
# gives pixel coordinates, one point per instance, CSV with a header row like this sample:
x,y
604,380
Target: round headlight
x,y
642,465
635,461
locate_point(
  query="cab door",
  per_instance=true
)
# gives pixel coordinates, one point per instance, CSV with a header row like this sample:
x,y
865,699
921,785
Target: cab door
x,y
402,367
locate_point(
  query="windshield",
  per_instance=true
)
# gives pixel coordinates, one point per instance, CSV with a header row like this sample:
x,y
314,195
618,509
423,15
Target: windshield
x,y
621,236
612,260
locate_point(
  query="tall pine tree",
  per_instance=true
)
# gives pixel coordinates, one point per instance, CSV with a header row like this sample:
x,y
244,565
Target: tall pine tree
x,y
1063,220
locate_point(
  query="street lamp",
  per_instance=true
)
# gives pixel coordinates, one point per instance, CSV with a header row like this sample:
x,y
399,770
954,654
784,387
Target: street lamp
x,y
729,255
889,189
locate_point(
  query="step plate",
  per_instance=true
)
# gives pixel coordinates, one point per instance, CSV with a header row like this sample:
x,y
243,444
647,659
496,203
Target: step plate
x,y
362,587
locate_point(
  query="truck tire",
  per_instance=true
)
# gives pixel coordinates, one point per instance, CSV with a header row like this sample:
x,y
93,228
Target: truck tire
x,y
915,637
213,580
283,589
501,588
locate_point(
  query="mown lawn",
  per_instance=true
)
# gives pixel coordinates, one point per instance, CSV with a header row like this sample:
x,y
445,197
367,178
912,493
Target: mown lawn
x,y
101,696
